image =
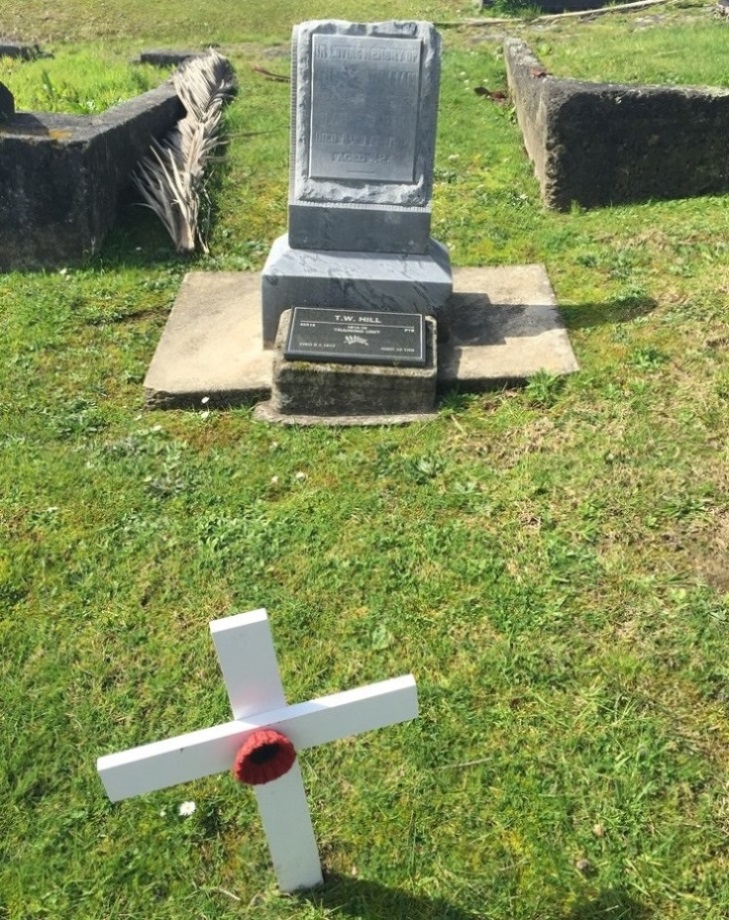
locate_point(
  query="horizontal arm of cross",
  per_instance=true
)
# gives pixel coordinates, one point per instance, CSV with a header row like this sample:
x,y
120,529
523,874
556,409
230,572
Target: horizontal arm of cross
x,y
213,750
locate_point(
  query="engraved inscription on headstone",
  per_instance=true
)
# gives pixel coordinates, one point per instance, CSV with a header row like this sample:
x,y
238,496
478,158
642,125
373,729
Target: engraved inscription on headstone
x,y
364,108
356,337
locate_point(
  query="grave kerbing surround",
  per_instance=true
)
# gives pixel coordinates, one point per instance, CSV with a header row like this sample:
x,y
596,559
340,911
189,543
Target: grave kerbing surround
x,y
364,113
7,102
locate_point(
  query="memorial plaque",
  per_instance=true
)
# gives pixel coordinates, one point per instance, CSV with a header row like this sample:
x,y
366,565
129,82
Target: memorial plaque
x,y
356,337
364,108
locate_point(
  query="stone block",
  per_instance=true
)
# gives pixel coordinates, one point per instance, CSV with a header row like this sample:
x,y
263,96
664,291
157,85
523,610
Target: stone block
x,y
352,280
22,50
167,57
358,228
598,144
310,388
7,103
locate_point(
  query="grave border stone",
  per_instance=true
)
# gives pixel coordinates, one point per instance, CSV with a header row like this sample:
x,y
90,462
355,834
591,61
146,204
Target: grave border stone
x,y
654,142
7,103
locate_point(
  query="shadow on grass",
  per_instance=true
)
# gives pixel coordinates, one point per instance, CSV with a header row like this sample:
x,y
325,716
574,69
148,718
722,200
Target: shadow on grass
x,y
351,897
612,903
623,309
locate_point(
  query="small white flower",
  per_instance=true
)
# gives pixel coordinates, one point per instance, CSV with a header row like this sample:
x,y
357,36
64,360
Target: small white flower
x,y
300,477
62,271
187,809
163,813
205,400
205,414
274,480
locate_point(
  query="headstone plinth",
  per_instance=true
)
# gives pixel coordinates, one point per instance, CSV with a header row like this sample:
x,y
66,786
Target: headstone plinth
x,y
352,280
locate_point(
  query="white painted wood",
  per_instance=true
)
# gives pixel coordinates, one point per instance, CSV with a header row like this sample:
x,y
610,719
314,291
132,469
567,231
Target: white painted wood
x,y
287,822
248,662
213,750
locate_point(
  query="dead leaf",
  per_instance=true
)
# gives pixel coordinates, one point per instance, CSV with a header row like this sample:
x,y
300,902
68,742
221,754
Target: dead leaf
x,y
495,95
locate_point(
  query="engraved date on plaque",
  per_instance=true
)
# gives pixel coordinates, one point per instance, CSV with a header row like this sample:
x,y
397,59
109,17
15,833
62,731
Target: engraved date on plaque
x,y
364,108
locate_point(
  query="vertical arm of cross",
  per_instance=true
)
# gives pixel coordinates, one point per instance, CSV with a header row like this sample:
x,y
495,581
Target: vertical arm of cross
x,y
248,661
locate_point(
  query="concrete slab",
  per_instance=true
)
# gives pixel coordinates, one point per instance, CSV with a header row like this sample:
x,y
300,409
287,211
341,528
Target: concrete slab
x,y
212,345
500,326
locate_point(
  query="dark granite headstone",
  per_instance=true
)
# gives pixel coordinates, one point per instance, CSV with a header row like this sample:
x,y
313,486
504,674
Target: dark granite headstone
x,y
356,337
7,103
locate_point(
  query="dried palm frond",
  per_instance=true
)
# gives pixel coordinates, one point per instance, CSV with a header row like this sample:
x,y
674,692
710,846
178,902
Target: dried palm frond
x,y
171,179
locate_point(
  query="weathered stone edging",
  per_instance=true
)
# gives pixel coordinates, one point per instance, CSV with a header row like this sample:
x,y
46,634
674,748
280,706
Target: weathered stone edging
x,y
22,50
602,143
62,176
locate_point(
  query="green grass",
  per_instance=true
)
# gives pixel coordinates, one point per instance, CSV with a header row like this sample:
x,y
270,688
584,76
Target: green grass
x,y
665,45
82,81
549,561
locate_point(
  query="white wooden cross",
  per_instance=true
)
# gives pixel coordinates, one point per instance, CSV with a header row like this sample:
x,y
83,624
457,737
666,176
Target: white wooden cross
x,y
248,662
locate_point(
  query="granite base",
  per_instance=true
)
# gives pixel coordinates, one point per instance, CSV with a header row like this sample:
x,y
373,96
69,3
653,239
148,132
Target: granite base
x,y
352,281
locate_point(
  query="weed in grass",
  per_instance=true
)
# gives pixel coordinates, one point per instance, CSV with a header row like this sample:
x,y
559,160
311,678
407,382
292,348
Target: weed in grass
x,y
543,389
647,358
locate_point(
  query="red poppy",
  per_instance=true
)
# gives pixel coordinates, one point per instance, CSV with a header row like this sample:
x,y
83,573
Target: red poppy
x,y
266,755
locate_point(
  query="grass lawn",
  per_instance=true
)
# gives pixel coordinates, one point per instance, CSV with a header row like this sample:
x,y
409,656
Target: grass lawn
x,y
668,45
550,562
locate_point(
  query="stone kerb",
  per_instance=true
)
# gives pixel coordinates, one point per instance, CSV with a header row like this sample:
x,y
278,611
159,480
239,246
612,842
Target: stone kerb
x,y
598,144
62,176
22,50
7,103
